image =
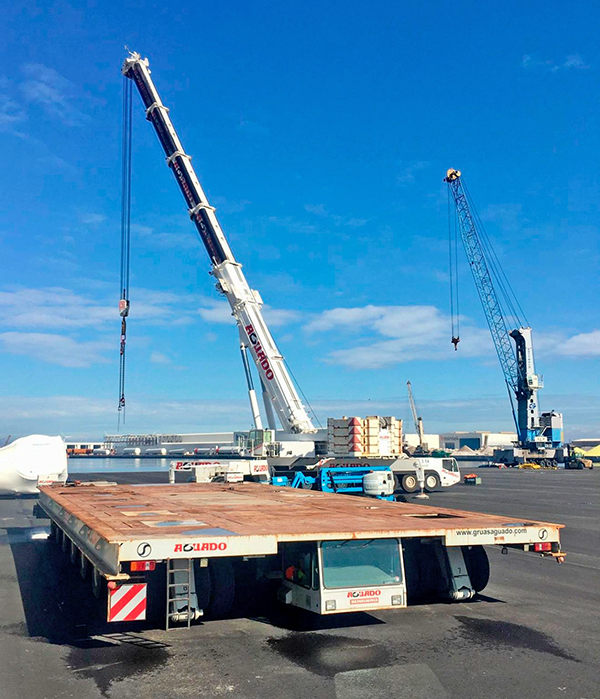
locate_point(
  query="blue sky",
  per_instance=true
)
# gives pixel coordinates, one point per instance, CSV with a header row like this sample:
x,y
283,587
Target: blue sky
x,y
321,132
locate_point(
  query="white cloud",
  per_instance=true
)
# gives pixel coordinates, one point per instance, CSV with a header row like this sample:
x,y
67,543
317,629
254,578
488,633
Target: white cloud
x,y
408,170
508,216
344,317
165,239
573,61
92,219
581,345
227,206
387,335
52,307
276,317
217,312
53,162
253,128
55,349
320,210
293,226
159,358
92,418
57,308
11,113
55,94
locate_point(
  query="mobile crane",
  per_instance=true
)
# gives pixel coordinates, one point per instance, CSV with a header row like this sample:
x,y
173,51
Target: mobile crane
x,y
417,420
538,437
279,393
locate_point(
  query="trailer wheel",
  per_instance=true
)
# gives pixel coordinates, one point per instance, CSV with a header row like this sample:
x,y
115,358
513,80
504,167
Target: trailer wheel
x,y
432,482
478,566
222,587
203,585
98,584
84,565
64,543
53,531
411,571
409,483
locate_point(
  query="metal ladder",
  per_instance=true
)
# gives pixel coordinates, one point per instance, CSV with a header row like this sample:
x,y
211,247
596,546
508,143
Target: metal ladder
x,y
179,591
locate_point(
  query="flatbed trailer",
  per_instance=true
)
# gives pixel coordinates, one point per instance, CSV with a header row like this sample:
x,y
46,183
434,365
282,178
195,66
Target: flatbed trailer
x,y
322,552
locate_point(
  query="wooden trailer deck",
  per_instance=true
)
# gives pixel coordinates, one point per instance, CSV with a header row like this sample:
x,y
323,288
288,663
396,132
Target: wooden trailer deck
x,y
215,519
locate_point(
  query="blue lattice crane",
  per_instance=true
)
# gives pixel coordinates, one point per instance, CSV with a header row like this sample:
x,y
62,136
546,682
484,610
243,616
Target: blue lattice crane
x,y
499,304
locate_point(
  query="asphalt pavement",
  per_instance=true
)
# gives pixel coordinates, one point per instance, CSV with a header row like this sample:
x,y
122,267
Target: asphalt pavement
x,y
534,632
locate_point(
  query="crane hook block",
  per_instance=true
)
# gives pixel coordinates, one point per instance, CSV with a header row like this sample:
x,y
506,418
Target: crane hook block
x,y
455,341
124,308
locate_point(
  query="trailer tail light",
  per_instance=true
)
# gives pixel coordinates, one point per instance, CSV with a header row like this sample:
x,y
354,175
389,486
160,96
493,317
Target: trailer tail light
x,y
137,566
545,546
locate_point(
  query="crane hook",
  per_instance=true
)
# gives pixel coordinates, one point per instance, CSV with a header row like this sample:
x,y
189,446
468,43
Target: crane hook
x,y
455,341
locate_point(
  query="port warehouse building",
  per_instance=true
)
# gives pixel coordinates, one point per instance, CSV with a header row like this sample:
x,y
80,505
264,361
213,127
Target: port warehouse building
x,y
449,440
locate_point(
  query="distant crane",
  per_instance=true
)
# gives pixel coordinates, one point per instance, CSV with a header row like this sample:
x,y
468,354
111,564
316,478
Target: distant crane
x,y
417,420
534,433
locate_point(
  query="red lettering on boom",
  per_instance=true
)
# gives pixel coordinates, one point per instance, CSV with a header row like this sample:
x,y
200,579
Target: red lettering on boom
x,y
258,351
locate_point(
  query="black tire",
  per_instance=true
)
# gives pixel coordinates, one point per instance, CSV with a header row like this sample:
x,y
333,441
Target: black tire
x,y
409,483
203,585
422,571
65,543
432,481
222,588
478,566
53,531
411,571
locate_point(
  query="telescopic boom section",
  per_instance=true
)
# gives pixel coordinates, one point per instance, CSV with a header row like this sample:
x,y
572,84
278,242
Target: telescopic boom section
x,y
245,302
417,420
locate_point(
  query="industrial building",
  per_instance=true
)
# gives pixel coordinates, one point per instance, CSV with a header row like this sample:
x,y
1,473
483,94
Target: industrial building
x,y
476,440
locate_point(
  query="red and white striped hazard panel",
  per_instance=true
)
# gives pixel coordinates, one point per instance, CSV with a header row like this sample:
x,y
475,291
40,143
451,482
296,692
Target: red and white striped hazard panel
x,y
128,602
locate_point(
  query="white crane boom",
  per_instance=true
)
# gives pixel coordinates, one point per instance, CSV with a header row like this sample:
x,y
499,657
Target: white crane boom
x,y
417,420
245,302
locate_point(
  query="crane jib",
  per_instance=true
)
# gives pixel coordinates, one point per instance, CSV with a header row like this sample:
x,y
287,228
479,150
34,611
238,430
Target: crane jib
x,y
200,218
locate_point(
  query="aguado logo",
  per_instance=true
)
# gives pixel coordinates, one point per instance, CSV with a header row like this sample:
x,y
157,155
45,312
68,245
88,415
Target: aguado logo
x,y
364,593
144,550
204,546
260,355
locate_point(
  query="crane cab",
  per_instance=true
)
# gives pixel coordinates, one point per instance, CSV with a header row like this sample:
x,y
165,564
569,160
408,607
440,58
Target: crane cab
x,y
330,577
